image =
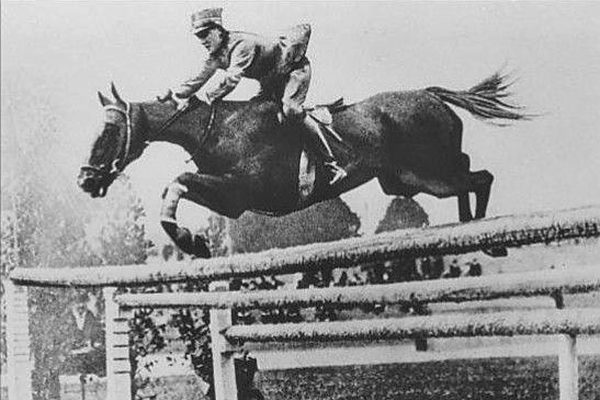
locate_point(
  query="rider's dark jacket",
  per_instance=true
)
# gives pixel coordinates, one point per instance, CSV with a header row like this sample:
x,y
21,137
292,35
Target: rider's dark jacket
x,y
267,60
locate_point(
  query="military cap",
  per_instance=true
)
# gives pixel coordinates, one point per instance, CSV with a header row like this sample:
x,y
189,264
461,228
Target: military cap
x,y
202,19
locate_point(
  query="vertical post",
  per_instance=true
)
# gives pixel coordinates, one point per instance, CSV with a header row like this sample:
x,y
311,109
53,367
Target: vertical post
x,y
567,368
225,385
17,343
118,366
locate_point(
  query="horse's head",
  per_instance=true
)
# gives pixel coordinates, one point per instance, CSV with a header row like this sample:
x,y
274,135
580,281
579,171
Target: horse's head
x,y
115,147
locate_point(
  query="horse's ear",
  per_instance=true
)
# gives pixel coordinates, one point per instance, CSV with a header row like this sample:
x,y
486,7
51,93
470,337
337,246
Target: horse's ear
x,y
116,95
103,99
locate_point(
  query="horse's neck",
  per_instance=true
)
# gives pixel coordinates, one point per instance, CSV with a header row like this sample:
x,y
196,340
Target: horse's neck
x,y
179,131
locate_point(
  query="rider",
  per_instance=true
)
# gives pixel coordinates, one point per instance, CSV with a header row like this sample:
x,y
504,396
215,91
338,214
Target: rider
x,y
279,65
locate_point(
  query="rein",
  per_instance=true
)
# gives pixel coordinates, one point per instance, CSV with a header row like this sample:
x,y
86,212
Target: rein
x,y
205,132
118,163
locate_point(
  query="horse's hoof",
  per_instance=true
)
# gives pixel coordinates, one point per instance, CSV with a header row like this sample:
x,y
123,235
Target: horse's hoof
x,y
497,251
199,247
189,243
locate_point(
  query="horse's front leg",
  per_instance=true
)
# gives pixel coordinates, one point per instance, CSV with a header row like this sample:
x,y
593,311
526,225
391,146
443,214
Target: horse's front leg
x,y
219,194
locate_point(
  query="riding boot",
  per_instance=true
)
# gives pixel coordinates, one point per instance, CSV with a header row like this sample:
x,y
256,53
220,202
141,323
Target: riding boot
x,y
318,142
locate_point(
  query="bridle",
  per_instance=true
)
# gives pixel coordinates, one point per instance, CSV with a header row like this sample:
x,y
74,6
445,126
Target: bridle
x,y
118,164
128,133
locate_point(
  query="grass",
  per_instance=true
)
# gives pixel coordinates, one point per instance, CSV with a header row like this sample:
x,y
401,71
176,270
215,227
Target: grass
x,y
533,378
503,378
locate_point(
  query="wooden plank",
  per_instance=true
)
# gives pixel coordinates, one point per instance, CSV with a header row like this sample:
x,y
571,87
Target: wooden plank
x,y
507,231
538,322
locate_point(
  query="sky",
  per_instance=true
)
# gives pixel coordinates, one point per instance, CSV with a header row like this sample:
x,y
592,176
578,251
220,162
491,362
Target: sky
x,y
70,50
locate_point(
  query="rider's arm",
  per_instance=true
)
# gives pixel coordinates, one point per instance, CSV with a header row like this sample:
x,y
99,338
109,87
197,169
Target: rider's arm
x,y
192,85
241,59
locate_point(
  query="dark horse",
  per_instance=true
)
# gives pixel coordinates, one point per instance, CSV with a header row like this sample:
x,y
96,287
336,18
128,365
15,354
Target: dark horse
x,y
247,160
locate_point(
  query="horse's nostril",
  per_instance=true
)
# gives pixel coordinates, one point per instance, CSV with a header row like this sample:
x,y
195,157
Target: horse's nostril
x,y
86,183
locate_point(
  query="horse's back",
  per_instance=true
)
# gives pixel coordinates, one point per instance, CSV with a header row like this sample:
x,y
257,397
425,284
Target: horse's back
x,y
413,130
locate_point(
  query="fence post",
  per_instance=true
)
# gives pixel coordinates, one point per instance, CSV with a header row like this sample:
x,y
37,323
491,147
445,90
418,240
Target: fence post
x,y
18,350
225,385
567,368
118,365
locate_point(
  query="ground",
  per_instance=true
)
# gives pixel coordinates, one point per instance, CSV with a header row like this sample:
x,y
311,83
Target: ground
x,y
490,379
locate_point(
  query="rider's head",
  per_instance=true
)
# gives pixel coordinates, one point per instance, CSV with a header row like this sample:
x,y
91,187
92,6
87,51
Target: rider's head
x,y
207,27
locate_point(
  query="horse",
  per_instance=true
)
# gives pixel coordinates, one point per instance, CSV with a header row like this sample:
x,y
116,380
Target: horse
x,y
247,159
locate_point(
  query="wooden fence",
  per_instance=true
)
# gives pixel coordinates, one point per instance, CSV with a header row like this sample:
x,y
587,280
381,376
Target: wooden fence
x,y
228,339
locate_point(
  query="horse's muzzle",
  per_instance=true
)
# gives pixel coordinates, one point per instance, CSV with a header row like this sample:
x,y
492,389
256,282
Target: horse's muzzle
x,y
92,182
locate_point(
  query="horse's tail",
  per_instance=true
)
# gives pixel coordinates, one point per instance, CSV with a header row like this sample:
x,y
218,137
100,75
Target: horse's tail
x,y
483,100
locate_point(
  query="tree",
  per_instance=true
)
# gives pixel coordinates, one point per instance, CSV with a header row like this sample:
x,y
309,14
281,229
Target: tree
x,y
403,213
48,222
323,222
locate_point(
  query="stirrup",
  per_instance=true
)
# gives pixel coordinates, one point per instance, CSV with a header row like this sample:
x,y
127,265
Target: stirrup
x,y
339,173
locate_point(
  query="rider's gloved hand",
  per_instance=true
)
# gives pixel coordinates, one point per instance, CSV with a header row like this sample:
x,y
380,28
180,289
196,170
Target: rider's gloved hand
x,y
168,95
182,103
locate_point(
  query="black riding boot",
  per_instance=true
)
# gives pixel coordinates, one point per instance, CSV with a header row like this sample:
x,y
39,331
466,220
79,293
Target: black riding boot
x,y
318,142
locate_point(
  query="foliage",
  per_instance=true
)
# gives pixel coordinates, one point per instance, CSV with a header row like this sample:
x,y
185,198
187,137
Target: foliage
x,y
323,222
48,225
193,328
145,337
403,213
491,379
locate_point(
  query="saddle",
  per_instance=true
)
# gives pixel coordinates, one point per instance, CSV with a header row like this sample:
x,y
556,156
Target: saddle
x,y
321,113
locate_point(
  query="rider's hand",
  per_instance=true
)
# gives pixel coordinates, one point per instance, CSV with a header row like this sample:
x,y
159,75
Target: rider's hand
x,y
182,103
168,95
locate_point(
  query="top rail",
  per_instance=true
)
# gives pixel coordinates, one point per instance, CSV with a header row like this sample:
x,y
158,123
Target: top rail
x,y
508,231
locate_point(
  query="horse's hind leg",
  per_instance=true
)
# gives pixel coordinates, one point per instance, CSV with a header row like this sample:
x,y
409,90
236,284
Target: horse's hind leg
x,y
464,203
483,185
464,207
482,182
